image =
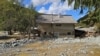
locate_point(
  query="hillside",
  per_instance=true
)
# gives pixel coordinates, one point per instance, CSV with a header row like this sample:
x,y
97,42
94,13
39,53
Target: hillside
x,y
92,19
15,17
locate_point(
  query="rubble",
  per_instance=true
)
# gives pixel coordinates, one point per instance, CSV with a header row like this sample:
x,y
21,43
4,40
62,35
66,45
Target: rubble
x,y
75,40
53,44
92,52
15,43
63,54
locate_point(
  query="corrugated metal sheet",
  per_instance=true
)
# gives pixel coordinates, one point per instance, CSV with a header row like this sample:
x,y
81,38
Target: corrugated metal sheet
x,y
49,18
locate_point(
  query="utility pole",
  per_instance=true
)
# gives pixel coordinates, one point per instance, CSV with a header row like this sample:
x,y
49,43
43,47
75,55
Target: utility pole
x,y
52,25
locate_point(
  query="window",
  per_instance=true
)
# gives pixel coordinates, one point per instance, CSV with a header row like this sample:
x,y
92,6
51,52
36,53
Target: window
x,y
58,24
69,33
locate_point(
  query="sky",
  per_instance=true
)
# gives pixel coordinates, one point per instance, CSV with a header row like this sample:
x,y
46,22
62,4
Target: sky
x,y
55,7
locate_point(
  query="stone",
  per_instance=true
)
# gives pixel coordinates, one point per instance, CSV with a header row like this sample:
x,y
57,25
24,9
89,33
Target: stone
x,y
15,44
7,45
69,49
29,50
63,54
83,51
18,50
45,54
92,52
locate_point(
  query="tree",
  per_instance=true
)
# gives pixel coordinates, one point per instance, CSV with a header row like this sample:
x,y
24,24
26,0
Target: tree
x,y
92,5
93,16
16,17
85,3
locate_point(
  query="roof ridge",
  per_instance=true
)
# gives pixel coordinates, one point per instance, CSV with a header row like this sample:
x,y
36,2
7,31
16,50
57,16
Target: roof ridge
x,y
55,14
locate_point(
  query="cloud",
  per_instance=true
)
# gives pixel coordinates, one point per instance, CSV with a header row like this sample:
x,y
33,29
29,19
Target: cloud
x,y
42,2
60,8
43,10
37,2
57,7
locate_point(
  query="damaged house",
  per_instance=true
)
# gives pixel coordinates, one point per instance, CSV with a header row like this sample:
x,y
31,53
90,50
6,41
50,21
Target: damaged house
x,y
58,25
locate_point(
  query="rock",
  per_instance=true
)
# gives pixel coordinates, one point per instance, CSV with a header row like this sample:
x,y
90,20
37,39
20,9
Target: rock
x,y
49,47
63,54
83,51
45,54
18,50
29,49
65,38
69,49
99,44
92,52
7,45
15,45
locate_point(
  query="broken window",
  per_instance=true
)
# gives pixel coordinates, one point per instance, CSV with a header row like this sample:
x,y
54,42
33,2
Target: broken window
x,y
69,33
58,24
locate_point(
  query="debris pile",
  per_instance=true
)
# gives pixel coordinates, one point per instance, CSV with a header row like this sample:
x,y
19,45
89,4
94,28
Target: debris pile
x,y
89,40
16,43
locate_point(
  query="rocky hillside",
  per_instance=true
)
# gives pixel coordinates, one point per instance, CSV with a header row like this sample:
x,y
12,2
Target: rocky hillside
x,y
92,19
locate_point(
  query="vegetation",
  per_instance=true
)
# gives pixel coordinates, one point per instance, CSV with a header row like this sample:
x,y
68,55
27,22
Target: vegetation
x,y
93,16
16,17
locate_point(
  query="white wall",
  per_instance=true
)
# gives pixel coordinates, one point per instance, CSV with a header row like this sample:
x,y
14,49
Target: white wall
x,y
63,29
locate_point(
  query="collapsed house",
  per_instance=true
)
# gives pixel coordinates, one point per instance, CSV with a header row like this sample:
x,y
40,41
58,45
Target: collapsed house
x,y
85,32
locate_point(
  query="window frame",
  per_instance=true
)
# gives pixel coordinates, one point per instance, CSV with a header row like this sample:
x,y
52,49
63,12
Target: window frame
x,y
58,25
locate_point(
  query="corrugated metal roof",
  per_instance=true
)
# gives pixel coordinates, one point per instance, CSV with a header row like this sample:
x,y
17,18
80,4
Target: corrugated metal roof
x,y
90,29
50,18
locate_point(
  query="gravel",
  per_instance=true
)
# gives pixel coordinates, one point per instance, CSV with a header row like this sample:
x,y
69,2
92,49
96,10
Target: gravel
x,y
89,40
16,44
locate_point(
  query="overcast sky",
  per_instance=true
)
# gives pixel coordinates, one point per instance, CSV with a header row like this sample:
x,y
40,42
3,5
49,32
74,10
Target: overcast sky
x,y
55,7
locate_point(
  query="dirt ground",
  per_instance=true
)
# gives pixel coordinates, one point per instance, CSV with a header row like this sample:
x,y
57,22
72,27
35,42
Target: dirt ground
x,y
48,48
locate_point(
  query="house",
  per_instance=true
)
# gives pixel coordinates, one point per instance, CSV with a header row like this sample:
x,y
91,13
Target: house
x,y
58,25
80,33
90,31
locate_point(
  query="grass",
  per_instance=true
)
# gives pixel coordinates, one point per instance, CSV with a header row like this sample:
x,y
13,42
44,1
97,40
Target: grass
x,y
24,54
41,48
96,52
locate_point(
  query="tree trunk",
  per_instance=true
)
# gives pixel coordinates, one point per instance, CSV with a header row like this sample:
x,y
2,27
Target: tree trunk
x,y
29,33
10,32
